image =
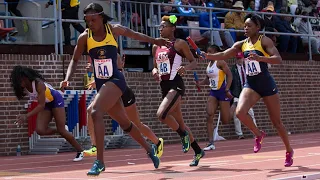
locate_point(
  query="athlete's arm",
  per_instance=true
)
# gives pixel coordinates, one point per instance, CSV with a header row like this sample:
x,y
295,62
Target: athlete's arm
x,y
225,68
41,89
155,73
183,47
205,81
268,45
227,54
77,53
118,29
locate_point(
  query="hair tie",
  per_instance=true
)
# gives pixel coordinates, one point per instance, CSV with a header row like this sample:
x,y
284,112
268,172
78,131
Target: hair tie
x,y
173,19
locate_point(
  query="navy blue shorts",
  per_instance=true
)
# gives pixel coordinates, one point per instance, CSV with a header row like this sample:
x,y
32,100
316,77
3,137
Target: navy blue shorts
x,y
117,79
57,101
220,94
264,85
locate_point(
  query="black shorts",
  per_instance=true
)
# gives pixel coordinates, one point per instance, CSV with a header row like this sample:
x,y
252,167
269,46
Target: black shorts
x,y
264,85
128,97
175,84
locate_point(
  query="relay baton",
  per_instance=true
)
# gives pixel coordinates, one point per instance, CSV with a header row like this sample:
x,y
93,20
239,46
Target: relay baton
x,y
194,46
196,79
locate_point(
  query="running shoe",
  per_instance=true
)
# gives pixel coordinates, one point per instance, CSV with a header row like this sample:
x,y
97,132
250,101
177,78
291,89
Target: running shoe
x,y
153,156
78,157
289,159
258,142
90,152
185,140
197,158
160,148
96,169
209,147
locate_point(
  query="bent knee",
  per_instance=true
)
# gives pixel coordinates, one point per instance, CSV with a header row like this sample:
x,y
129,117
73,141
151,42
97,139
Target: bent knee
x,y
40,131
96,114
241,113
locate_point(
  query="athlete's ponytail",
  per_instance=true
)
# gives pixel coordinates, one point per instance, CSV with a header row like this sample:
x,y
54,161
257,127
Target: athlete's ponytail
x,y
97,9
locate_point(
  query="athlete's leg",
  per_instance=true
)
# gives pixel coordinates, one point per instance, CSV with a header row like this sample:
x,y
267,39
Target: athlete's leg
x,y
133,115
167,105
91,125
247,99
115,109
93,150
59,115
43,119
164,113
273,106
212,105
118,113
177,114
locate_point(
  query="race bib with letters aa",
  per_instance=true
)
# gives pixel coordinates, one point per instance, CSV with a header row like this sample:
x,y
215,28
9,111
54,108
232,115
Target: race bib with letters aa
x,y
252,67
103,68
163,63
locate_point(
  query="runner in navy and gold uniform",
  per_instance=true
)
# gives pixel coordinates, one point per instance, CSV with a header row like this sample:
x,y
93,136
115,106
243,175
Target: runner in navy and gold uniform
x,y
99,41
258,51
168,68
26,81
129,103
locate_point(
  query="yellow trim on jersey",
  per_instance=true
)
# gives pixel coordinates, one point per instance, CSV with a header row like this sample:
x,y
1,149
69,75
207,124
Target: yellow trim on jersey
x,y
109,40
222,78
257,46
48,94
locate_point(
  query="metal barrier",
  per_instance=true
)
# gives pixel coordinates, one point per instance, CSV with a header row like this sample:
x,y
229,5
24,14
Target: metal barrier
x,y
152,21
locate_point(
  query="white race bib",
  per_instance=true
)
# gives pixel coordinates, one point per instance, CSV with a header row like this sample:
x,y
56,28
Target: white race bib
x,y
252,67
163,63
213,83
103,68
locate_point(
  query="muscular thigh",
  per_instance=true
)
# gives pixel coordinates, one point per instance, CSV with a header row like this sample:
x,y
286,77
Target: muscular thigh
x,y
212,105
43,119
247,99
169,103
108,95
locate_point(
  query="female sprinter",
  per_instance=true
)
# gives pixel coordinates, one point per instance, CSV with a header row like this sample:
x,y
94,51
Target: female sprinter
x,y
99,41
129,102
168,69
26,81
258,51
219,78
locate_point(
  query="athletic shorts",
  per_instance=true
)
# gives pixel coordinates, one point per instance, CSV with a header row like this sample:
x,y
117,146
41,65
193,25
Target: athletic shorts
x,y
220,94
128,97
57,101
264,85
176,84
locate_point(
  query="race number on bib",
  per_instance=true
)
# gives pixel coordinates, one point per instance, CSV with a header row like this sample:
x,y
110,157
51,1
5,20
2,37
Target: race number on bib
x,y
252,68
163,63
103,68
213,83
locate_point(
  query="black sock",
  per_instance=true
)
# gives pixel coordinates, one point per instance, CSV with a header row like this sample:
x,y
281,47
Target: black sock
x,y
180,132
92,146
196,147
159,142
